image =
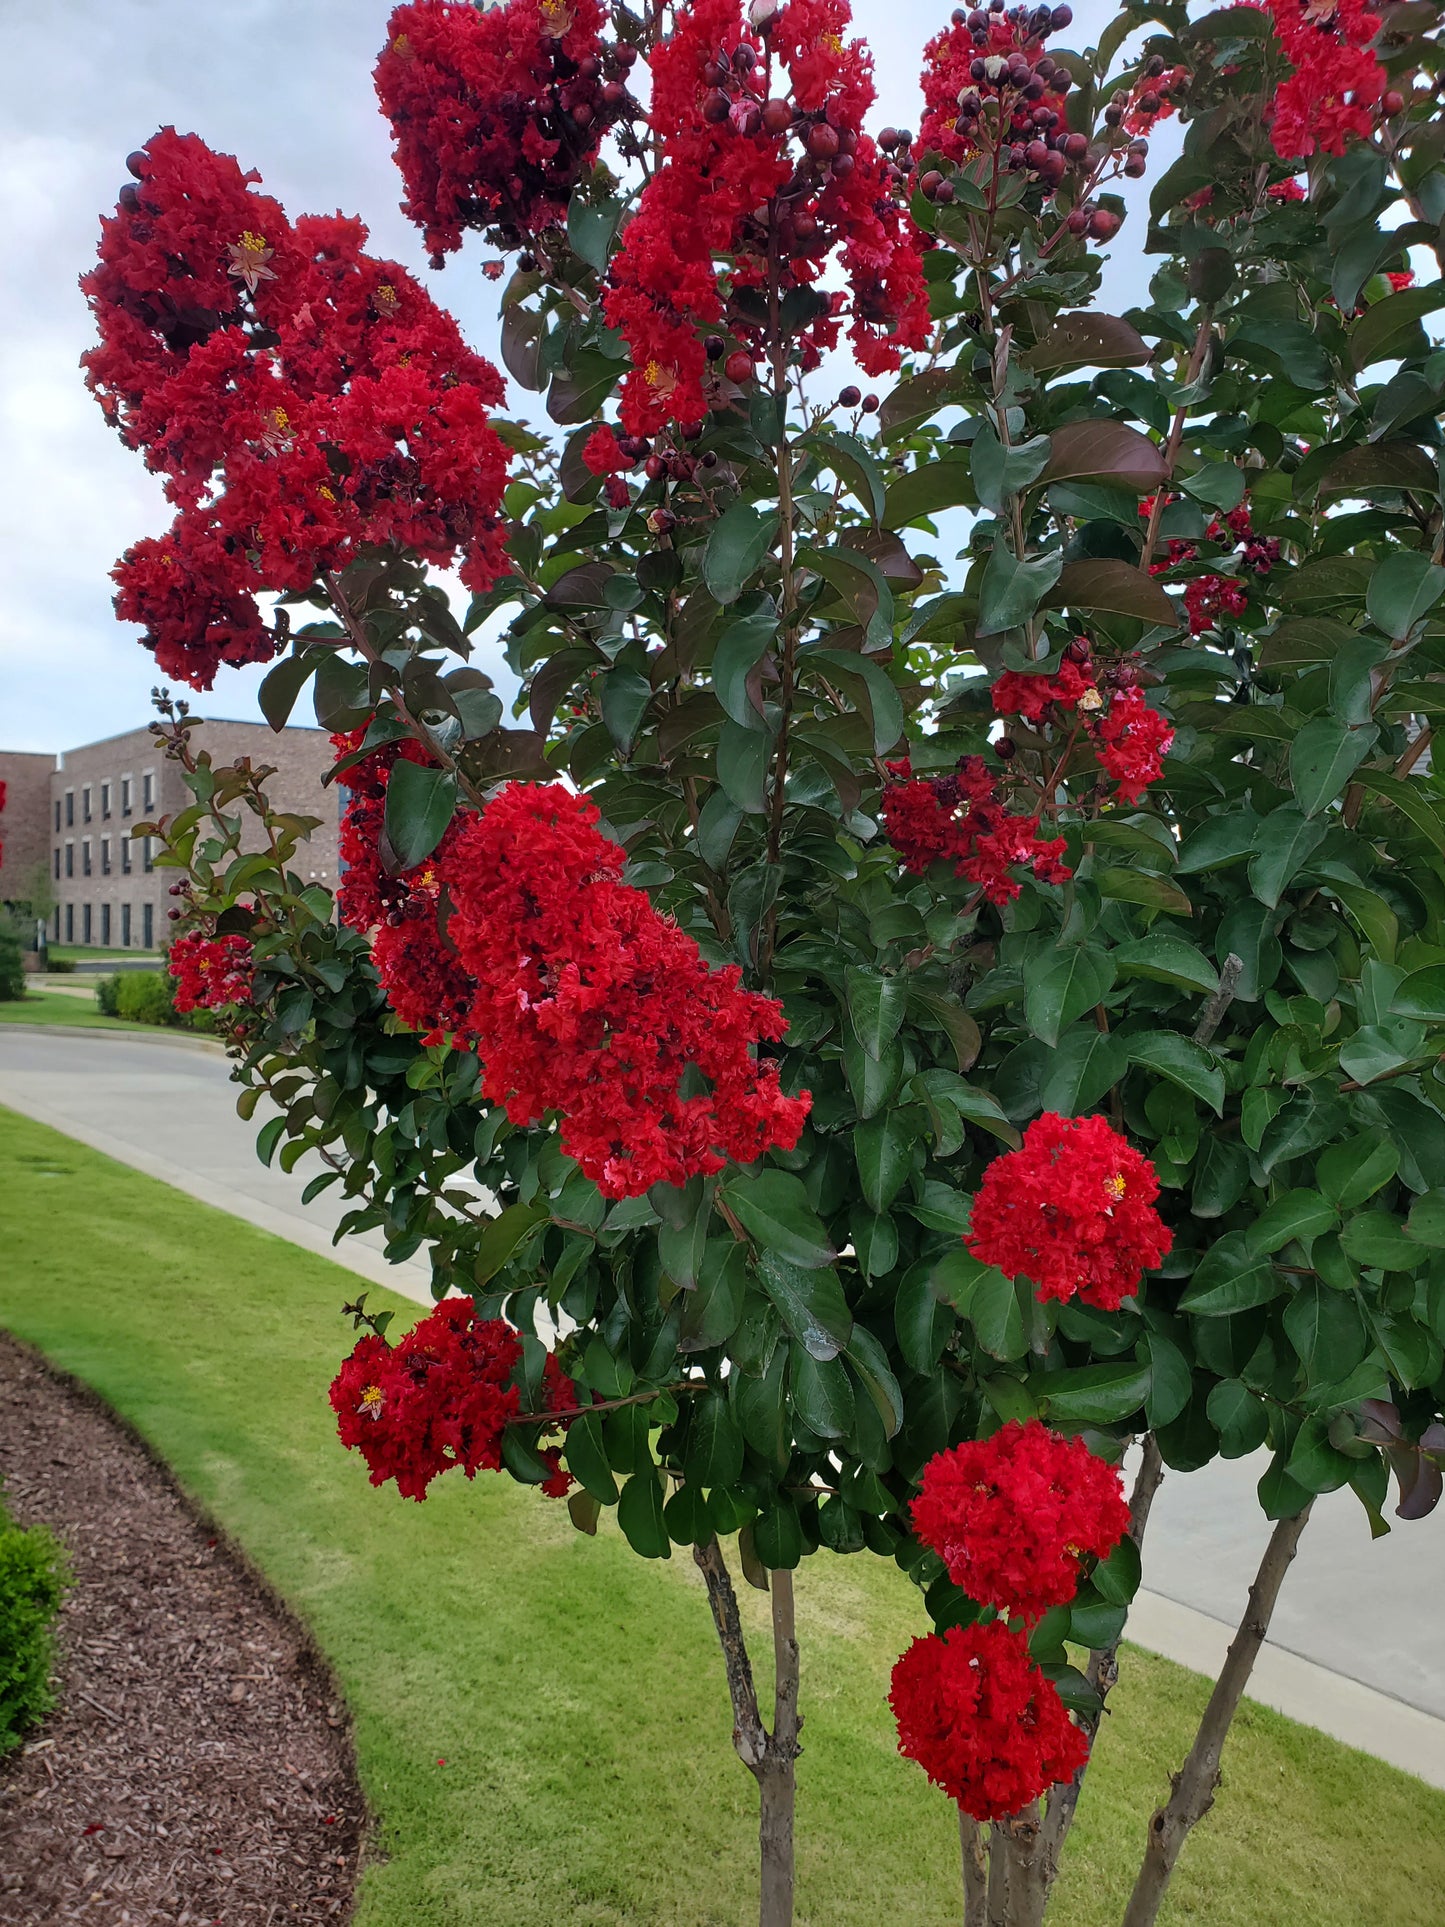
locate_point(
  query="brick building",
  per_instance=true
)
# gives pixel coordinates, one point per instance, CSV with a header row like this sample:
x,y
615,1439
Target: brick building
x,y
106,889
24,823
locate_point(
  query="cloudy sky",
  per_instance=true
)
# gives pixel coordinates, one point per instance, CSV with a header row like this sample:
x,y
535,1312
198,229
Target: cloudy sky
x,y
286,86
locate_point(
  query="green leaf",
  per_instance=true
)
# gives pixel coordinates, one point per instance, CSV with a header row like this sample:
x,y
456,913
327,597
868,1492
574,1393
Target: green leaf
x,y
1377,1239
736,548
1240,1417
1324,756
1091,1394
579,390
924,491
1166,959
884,705
590,230
1171,1382
1117,1578
883,1152
1231,1277
1000,472
1125,885
740,648
1072,981
869,1363
822,1395
268,1137
810,1303
1011,591
503,1235
1409,797
1084,1066
1220,485
1326,1330
1280,1496
876,1007
760,1405
420,804
1426,1222
742,766
1295,1214
1087,340
586,1458
852,461
773,1208
1349,1173
282,685
986,1298
1422,995
714,1454
1111,586
777,1536
1402,589
625,696
923,1324
688,1517
1389,328
1183,1062
1379,1050
639,1513
1283,844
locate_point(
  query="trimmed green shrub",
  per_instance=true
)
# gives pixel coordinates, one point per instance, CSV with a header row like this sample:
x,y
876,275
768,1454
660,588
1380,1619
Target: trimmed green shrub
x,y
144,997
12,969
34,1573
107,996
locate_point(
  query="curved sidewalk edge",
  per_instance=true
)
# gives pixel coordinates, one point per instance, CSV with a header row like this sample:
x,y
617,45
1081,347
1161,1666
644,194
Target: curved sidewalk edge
x,y
140,1034
1302,1690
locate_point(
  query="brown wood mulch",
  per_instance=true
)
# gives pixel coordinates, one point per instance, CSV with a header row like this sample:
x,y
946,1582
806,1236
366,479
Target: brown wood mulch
x,y
198,1766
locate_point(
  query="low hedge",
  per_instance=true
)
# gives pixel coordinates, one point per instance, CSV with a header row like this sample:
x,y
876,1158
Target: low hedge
x,y
34,1573
12,969
147,997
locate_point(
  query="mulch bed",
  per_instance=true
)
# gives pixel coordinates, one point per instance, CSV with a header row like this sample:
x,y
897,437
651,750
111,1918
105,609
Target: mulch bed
x,y
198,1767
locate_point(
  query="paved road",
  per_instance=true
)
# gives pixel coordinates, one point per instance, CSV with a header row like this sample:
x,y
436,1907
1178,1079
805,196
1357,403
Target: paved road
x,y
1352,1610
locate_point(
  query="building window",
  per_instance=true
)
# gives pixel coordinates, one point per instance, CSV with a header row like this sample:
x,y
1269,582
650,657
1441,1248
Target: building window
x,y
69,808
57,862
105,856
57,812
85,922
85,802
105,800
125,856
57,915
148,791
125,796
150,859
85,856
105,924
70,923
125,926
70,859
148,926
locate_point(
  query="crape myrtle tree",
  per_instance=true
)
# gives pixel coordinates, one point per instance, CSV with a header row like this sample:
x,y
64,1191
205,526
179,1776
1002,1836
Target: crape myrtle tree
x,y
875,1031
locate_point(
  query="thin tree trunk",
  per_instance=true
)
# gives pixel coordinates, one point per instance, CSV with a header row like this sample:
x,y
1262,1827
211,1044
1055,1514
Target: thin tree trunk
x,y
998,1873
1195,1783
1028,1886
1102,1672
975,1871
769,1757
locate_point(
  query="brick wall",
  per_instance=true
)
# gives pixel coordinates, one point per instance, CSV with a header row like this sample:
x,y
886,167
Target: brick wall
x,y
24,821
101,791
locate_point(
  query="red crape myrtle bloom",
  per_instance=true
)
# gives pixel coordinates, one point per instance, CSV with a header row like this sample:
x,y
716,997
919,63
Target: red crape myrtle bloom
x,y
762,152
1208,597
210,971
440,1398
1335,93
1131,741
302,399
588,1003
1072,1210
982,1721
960,819
497,111
1011,1516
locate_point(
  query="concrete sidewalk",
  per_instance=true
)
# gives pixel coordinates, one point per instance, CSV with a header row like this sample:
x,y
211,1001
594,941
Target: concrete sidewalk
x,y
1358,1643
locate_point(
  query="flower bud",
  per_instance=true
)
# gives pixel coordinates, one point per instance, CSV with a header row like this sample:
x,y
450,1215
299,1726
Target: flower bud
x,y
821,141
1005,749
745,58
1060,18
137,162
1104,223
870,404
762,14
944,195
1076,146
850,396
716,107
777,116
739,366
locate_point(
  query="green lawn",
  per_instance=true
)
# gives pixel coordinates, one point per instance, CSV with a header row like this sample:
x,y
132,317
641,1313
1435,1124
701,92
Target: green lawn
x,y
59,1007
85,952
541,1719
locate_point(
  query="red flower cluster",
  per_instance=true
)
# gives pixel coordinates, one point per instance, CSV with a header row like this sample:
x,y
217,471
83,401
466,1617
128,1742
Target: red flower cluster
x,y
589,1003
1072,1210
1129,738
441,1398
763,156
498,111
576,995
961,820
1337,89
982,1721
1208,597
210,971
1012,1516
302,399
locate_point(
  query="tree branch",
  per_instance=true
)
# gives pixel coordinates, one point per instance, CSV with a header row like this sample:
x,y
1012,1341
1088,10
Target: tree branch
x,y
1230,972
975,1871
749,1736
1195,1783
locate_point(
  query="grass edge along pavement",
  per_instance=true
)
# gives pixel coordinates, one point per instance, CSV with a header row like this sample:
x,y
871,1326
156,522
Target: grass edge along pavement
x,y
541,1722
61,1008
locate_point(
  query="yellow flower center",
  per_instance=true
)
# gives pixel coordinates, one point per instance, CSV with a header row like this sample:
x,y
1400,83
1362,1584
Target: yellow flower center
x,y
401,45
1115,1187
280,418
326,493
253,243
833,43
371,1402
557,17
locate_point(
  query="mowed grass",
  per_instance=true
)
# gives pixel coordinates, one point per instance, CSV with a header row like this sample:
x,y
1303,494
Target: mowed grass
x,y
59,1007
541,1719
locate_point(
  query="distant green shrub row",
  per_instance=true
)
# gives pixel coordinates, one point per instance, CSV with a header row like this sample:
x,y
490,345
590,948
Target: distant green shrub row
x,y
12,969
147,997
